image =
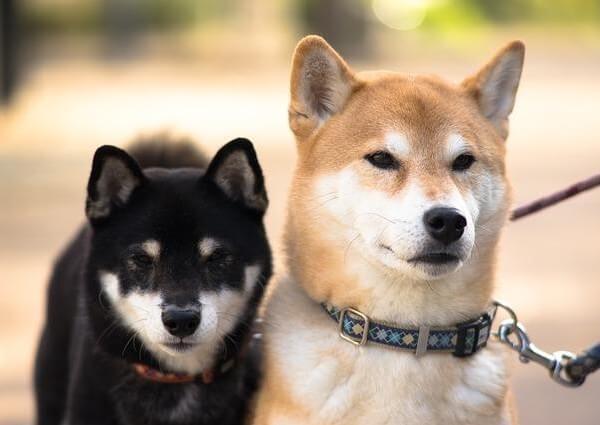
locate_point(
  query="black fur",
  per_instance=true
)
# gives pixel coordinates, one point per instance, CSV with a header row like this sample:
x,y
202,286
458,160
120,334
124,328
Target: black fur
x,y
152,151
84,372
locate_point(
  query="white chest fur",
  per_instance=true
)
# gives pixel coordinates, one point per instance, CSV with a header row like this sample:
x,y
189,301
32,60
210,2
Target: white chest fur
x,y
343,384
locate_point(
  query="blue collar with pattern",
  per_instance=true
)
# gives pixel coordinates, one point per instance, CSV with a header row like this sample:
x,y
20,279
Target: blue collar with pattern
x,y
462,340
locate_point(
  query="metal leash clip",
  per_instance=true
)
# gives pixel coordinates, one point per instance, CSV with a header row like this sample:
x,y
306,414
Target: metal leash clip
x,y
512,333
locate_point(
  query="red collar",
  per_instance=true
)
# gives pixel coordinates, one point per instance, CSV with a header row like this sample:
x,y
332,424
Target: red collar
x,y
154,375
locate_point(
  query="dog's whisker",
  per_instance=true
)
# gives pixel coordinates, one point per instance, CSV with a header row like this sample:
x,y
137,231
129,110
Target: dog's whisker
x,y
377,215
322,204
127,344
107,330
140,349
323,195
349,245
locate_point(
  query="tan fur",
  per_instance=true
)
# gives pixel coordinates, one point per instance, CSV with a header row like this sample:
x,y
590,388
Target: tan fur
x,y
338,117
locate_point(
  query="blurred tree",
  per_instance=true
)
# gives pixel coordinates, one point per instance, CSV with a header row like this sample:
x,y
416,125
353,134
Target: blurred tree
x,y
123,22
344,23
9,47
506,10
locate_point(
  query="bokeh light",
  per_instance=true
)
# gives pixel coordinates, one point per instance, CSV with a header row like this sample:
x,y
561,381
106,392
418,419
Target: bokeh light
x,y
401,14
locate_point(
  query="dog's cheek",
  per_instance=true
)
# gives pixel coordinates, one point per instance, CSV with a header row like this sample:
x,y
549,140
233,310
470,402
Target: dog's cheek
x,y
490,196
354,203
329,196
220,313
221,310
369,215
138,310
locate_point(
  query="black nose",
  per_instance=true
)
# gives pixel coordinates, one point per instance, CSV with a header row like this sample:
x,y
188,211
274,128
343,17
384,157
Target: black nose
x,y
181,323
444,224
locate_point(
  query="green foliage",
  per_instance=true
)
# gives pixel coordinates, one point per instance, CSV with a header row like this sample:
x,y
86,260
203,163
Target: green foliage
x,y
456,12
445,15
82,16
60,17
555,11
454,15
169,14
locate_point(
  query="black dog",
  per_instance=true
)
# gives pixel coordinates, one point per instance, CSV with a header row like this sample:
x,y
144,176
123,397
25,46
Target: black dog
x,y
150,306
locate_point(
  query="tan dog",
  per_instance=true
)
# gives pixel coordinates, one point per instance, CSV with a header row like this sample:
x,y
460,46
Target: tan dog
x,y
396,207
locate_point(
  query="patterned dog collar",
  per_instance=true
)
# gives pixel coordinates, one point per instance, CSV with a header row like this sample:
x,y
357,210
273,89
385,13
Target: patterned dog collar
x,y
462,340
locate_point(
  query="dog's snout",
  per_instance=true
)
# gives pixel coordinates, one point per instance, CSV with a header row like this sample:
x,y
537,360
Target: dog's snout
x,y
445,224
180,322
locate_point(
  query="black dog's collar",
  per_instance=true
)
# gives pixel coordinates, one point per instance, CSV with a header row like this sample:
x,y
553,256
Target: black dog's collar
x,y
462,340
207,376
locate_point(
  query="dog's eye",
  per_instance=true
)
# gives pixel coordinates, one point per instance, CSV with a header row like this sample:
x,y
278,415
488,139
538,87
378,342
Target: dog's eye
x,y
383,160
463,162
218,256
141,260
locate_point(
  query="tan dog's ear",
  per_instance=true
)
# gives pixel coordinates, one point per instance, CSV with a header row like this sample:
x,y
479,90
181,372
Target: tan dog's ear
x,y
321,84
494,87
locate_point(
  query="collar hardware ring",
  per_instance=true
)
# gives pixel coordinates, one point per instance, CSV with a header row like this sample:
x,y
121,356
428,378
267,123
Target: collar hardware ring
x,y
555,362
365,326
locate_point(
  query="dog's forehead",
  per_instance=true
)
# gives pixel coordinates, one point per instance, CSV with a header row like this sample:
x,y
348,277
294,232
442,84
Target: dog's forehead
x,y
193,222
421,108
418,116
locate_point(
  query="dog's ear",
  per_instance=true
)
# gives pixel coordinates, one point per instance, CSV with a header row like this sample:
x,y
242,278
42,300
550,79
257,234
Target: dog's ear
x,y
321,83
235,171
115,176
494,87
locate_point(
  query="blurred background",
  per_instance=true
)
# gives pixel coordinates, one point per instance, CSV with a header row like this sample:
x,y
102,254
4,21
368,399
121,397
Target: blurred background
x,y
75,74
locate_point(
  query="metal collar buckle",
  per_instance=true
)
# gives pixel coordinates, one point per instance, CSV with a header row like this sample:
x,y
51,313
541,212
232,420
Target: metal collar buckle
x,y
365,326
469,335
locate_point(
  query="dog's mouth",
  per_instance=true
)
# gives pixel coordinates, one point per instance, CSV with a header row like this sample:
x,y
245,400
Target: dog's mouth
x,y
178,347
432,258
435,258
430,264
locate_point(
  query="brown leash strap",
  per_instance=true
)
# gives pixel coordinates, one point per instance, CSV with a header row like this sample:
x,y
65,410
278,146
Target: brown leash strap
x,y
555,198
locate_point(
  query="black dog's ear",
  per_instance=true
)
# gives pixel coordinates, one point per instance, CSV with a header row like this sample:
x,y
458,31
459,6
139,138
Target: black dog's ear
x,y
236,172
114,177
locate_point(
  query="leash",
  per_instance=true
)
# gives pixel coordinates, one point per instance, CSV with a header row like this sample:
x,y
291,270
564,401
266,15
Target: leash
x,y
555,198
565,367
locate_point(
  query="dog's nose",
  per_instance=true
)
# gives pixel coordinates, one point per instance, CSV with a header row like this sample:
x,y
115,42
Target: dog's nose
x,y
444,224
181,323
